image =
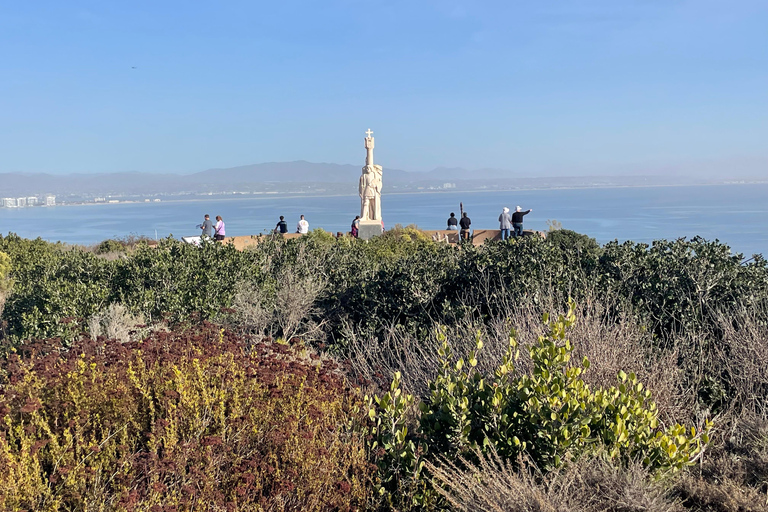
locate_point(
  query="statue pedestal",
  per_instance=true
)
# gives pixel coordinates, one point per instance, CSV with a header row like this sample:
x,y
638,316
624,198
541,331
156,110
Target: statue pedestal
x,y
369,229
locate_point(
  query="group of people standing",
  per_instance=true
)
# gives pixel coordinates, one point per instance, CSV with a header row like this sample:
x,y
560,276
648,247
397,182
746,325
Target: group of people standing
x,y
217,231
507,222
513,222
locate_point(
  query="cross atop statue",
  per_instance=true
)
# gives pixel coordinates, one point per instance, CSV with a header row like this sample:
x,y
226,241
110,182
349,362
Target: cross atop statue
x,y
368,133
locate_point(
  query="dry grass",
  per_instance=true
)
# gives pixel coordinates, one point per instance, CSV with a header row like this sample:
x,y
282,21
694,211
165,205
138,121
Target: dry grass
x,y
251,312
610,344
743,357
733,476
290,312
112,255
594,485
116,323
295,309
285,305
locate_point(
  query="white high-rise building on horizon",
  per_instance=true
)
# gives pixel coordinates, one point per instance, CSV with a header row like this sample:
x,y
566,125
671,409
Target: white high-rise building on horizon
x,y
9,202
50,200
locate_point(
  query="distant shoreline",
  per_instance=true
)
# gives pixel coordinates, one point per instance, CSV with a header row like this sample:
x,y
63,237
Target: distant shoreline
x,y
641,214
295,195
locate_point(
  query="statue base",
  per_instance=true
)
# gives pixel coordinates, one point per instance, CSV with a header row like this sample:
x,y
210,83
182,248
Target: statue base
x,y
369,229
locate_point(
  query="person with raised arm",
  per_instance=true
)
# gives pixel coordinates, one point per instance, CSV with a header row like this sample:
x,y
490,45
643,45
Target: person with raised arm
x,y
517,221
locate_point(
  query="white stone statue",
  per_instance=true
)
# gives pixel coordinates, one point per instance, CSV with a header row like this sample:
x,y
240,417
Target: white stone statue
x,y
370,185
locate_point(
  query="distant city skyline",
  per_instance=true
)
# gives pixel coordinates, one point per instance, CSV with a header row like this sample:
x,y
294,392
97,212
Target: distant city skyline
x,y
593,87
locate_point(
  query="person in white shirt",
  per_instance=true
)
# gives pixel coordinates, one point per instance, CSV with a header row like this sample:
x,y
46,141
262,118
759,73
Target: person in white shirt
x,y
303,226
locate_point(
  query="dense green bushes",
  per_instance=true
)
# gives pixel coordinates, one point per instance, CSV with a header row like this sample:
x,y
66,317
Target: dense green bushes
x,y
686,315
401,280
58,288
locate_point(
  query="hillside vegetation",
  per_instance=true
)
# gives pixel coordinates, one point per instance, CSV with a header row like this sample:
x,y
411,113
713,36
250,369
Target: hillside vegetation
x,y
394,374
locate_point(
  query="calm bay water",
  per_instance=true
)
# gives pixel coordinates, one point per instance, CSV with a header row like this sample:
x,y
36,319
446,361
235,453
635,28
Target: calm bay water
x,y
734,214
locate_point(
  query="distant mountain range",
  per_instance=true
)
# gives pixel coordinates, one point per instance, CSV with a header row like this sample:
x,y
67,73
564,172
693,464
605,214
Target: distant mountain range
x,y
304,172
300,177
246,177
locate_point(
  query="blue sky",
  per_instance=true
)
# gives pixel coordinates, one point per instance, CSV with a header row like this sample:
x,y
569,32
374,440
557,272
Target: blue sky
x,y
538,88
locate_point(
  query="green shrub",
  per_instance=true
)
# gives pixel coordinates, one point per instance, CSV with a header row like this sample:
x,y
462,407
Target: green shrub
x,y
681,285
5,282
398,455
550,415
178,282
108,246
5,270
574,242
54,292
197,420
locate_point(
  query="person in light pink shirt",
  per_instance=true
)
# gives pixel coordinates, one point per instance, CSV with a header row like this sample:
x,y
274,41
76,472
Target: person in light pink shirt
x,y
220,232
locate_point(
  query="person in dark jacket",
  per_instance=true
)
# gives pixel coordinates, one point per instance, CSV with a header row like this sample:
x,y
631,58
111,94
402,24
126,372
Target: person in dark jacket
x,y
517,221
356,226
453,222
465,223
282,226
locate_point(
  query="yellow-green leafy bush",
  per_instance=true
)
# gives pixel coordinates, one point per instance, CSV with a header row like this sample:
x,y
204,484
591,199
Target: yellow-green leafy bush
x,y
197,420
5,269
550,415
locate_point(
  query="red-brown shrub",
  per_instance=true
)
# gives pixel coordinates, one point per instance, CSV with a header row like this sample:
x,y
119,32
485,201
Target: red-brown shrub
x,y
179,421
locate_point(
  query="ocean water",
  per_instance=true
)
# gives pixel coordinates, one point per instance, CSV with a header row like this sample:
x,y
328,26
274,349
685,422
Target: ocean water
x,y
734,214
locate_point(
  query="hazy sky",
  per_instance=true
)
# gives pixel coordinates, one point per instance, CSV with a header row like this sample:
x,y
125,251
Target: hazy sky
x,y
537,87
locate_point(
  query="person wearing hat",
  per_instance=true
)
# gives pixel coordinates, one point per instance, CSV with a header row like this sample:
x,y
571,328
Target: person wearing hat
x,y
505,223
517,221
